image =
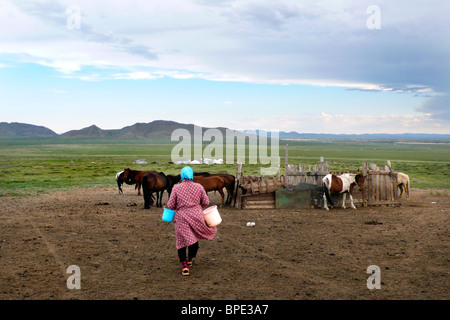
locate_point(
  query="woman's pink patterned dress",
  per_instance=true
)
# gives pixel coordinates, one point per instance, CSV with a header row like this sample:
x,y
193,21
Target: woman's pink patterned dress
x,y
188,200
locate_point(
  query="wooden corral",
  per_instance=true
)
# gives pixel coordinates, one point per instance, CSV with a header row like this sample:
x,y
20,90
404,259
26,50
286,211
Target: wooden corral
x,y
380,187
297,174
261,185
300,178
258,201
253,192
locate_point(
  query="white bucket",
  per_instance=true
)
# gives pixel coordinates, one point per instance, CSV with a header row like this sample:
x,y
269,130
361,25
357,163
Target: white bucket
x,y
212,216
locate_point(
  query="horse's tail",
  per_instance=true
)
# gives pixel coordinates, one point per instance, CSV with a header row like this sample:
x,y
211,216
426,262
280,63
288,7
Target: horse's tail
x,y
146,192
233,185
327,192
230,191
407,186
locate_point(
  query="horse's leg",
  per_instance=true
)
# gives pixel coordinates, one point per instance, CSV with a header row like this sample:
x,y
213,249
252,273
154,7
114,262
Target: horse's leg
x,y
400,186
229,196
325,201
222,194
351,201
344,195
160,198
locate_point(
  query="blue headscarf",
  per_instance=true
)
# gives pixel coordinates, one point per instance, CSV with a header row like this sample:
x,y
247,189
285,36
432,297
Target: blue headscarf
x,y
187,173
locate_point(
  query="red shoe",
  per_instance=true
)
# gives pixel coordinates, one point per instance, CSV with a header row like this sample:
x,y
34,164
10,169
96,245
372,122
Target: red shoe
x,y
185,269
189,262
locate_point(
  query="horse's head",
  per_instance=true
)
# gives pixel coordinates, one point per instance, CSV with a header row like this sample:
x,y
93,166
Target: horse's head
x,y
174,179
360,179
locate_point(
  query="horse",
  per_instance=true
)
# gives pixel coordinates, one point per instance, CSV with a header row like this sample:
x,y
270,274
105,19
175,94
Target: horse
x,y
173,180
154,182
120,180
212,183
341,184
136,175
229,182
202,174
403,183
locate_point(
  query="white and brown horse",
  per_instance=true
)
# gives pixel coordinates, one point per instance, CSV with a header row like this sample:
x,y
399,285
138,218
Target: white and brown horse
x,y
341,184
120,180
403,183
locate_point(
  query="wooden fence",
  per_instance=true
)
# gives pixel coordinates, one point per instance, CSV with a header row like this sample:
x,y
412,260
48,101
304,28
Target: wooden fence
x,y
297,174
252,192
380,187
259,191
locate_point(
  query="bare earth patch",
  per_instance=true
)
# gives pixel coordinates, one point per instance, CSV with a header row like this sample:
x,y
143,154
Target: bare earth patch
x,y
127,252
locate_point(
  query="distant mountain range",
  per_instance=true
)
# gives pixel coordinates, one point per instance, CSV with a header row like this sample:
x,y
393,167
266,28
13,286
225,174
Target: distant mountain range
x,y
292,135
154,129
367,136
162,129
16,129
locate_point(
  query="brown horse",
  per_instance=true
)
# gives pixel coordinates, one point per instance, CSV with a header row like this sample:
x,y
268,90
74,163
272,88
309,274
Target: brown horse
x,y
173,180
229,180
212,183
154,182
136,176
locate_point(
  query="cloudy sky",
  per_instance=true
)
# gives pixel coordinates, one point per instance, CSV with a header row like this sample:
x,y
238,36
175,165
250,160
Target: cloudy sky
x,y
346,66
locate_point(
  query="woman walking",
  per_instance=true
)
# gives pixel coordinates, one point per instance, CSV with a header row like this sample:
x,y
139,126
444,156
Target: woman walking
x,y
188,200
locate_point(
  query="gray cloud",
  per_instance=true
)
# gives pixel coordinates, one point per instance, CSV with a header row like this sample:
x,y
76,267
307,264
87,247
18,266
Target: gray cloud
x,y
268,15
277,41
438,107
55,12
49,10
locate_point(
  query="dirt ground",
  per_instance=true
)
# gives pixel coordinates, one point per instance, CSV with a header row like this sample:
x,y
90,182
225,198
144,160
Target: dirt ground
x,y
126,252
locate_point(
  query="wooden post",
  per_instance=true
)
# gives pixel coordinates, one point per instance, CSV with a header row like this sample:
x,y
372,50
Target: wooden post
x,y
365,195
286,157
238,191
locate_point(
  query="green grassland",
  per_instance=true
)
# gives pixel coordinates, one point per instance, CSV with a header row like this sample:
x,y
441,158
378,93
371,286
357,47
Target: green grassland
x,y
31,166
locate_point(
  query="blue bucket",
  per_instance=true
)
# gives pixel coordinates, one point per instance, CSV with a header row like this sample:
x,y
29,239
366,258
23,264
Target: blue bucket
x,y
168,215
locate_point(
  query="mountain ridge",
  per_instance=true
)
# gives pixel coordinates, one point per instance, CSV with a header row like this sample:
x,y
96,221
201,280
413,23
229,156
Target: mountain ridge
x,y
18,129
164,129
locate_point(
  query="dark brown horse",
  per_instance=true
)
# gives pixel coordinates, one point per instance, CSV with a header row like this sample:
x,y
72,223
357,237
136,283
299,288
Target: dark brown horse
x,y
154,182
212,183
229,180
173,180
136,176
